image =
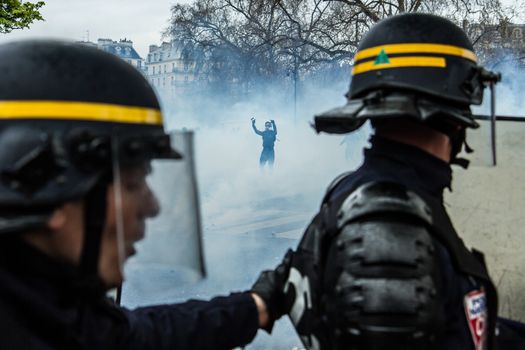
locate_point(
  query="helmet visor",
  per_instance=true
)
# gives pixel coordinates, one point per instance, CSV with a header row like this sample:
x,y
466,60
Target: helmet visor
x,y
157,220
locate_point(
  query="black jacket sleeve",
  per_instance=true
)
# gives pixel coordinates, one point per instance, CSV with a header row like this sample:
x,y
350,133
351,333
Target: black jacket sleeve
x,y
221,323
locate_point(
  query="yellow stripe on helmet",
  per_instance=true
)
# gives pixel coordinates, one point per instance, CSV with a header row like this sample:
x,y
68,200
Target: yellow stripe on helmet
x,y
89,111
417,48
396,62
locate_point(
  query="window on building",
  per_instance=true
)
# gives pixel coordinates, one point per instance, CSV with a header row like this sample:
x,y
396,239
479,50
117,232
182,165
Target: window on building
x,y
173,67
164,81
165,68
185,78
153,70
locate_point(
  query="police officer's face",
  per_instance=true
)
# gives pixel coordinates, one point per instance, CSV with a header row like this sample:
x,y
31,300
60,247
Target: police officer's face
x,y
138,204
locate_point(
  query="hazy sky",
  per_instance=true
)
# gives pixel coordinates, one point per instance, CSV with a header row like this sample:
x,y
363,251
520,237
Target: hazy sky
x,y
142,21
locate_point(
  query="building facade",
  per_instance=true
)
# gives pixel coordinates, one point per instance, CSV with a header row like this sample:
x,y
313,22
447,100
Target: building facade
x,y
122,48
499,40
170,69
514,36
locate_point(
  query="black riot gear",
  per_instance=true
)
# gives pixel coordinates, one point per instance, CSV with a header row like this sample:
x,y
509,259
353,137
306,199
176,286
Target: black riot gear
x,y
381,265
65,109
380,278
61,104
419,53
84,163
414,65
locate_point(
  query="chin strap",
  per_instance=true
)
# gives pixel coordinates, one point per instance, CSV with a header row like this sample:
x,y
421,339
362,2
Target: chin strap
x,y
94,221
459,140
462,162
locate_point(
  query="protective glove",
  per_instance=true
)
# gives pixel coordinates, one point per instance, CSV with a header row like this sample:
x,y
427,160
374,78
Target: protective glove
x,y
270,287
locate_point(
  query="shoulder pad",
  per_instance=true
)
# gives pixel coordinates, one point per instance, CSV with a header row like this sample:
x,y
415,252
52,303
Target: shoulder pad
x,y
334,183
382,197
381,273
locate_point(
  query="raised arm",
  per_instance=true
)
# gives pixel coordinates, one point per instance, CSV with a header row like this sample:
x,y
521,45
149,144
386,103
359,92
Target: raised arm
x,y
255,128
274,126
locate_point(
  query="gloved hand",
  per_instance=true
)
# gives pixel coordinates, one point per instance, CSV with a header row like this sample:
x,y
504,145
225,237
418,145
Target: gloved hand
x,y
253,120
270,287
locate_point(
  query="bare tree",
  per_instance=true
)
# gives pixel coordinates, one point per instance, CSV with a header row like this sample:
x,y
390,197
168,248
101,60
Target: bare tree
x,y
246,40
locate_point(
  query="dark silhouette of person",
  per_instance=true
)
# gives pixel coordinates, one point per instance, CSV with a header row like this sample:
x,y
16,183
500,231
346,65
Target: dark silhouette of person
x,y
269,135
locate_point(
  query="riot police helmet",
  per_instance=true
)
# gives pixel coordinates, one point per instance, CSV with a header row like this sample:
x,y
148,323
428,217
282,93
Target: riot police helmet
x,y
412,65
66,109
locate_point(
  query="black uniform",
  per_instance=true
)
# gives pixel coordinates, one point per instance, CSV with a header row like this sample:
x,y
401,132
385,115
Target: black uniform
x,y
465,294
381,265
44,305
461,273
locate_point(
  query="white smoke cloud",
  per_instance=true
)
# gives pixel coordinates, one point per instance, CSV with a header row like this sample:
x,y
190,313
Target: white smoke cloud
x,y
235,192
227,152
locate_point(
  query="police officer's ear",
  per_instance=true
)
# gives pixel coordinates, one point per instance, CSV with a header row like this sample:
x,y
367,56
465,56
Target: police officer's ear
x,y
63,236
67,217
57,220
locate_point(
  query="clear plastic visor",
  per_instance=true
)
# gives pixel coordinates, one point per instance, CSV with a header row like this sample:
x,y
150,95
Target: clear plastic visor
x,y
157,221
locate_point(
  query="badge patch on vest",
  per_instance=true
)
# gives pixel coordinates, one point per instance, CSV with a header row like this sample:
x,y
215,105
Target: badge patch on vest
x,y
476,312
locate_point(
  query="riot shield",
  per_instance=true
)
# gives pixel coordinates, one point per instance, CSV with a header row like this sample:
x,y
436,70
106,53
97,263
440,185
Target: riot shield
x,y
487,209
163,241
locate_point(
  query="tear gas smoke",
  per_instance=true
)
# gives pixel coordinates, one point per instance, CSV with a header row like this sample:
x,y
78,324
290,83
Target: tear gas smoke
x,y
251,216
